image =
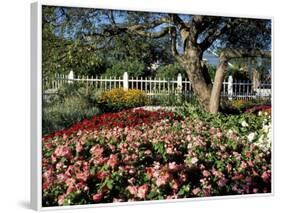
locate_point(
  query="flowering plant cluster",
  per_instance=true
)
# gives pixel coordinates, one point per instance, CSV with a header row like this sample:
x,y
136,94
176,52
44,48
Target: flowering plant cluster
x,y
125,118
118,98
162,157
263,108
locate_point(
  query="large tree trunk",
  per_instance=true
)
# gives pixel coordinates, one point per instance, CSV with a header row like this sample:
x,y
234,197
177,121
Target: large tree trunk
x,y
201,87
216,91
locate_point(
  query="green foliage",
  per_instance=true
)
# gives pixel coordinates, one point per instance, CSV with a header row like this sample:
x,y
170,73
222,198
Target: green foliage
x,y
212,71
63,112
223,121
166,99
134,68
62,115
170,71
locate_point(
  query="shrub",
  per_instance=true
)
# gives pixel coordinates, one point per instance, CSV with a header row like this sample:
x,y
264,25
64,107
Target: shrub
x,y
241,105
62,114
165,99
170,71
133,68
117,99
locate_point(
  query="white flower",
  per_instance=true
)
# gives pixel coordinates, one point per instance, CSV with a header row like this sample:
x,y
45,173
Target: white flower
x,y
266,128
230,131
251,136
261,139
244,124
194,160
260,113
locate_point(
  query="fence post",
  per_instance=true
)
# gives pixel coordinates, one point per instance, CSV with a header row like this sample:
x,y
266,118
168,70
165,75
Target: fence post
x,y
125,81
70,77
179,88
230,88
179,83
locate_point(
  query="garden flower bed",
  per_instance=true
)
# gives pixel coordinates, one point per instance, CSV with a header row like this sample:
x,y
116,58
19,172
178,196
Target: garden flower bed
x,y
137,155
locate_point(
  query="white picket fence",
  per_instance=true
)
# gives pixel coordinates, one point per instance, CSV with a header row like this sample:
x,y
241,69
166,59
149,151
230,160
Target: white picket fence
x,y
152,86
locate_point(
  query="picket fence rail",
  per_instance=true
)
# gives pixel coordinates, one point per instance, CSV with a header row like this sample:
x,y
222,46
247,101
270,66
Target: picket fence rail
x,y
152,86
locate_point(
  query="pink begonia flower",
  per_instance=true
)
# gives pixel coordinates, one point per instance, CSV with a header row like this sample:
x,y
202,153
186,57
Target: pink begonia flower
x,y
69,171
112,161
53,158
170,150
46,185
82,176
47,174
61,200
97,197
255,190
206,173
222,182
149,172
79,132
70,189
70,182
207,191
142,191
162,179
127,159
79,147
63,151
59,165
147,152
82,186
62,177
172,165
133,190
196,191
238,177
243,165
101,175
219,135
132,180
265,176
228,167
64,137
112,147
132,171
97,151
189,138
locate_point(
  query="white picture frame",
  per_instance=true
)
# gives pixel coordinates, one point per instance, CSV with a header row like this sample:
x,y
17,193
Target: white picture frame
x,y
36,107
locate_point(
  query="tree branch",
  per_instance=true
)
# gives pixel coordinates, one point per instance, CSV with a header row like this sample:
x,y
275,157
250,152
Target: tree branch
x,y
173,34
150,34
246,53
212,35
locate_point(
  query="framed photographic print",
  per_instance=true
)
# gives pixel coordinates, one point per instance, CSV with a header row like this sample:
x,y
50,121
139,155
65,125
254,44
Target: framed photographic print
x,y
132,106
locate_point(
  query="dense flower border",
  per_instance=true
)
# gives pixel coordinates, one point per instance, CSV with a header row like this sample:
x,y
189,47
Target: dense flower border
x,y
125,118
142,155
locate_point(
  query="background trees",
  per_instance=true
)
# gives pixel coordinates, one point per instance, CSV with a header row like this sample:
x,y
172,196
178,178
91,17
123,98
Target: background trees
x,y
102,41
